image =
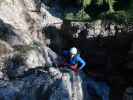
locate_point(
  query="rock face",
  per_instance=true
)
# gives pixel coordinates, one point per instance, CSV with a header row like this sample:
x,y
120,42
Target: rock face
x,y
17,13
37,86
16,18
33,87
27,20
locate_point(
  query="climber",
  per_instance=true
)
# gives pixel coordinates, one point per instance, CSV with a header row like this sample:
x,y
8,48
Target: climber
x,y
73,59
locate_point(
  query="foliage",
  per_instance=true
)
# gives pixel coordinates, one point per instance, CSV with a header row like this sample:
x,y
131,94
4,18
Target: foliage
x,y
86,3
117,16
100,2
93,9
129,12
121,16
82,15
79,16
23,49
110,3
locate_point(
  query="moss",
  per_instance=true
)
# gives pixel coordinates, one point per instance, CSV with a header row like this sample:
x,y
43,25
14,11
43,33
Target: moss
x,y
5,48
79,16
24,49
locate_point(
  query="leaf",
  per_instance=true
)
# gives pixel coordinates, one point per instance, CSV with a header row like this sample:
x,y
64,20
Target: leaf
x,y
100,2
86,2
110,2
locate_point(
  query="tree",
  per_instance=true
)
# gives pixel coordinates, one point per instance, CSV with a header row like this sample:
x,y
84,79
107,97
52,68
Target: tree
x,y
100,2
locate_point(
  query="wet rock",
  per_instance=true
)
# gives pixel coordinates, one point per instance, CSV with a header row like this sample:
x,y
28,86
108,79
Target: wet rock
x,y
100,89
31,87
37,86
15,66
61,93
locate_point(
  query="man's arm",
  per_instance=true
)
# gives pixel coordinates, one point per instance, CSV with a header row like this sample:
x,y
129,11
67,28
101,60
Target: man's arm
x,y
82,62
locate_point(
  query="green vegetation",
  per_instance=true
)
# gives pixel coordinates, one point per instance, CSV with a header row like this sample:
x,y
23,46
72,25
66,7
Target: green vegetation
x,y
79,16
23,49
86,3
100,2
110,3
129,12
119,10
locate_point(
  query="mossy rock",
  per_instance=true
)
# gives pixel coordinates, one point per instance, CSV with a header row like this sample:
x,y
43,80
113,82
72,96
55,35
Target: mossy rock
x,y
5,48
25,48
79,16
